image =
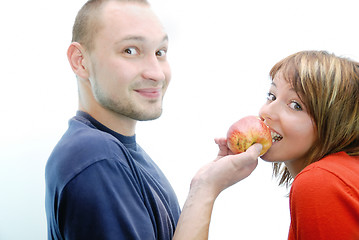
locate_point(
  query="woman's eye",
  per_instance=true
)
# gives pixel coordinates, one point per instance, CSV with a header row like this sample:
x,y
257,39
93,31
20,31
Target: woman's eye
x,y
161,53
271,97
131,51
296,106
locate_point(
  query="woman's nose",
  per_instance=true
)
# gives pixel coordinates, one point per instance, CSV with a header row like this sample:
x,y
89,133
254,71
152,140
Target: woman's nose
x,y
269,112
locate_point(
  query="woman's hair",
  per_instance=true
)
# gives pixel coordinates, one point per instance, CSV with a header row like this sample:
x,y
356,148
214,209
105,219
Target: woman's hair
x,y
328,86
88,21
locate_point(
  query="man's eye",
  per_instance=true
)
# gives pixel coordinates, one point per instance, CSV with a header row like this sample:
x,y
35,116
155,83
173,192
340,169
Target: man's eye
x,y
131,51
271,97
296,106
161,53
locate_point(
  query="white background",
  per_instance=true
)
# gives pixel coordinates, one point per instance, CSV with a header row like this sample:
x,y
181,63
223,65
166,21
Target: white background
x,y
220,53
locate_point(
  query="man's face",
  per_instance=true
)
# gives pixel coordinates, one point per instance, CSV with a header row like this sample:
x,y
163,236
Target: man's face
x,y
129,72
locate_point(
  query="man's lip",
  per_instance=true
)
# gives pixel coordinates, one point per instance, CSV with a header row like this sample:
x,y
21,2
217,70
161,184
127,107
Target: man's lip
x,y
149,92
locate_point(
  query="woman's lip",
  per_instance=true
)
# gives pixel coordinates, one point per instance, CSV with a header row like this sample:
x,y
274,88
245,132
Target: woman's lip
x,y
149,92
276,137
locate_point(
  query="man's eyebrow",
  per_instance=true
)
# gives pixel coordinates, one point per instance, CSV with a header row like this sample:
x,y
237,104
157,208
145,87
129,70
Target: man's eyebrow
x,y
140,38
130,38
165,38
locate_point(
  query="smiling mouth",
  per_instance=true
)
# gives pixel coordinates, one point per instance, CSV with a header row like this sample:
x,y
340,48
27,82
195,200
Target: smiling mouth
x,y
150,92
276,137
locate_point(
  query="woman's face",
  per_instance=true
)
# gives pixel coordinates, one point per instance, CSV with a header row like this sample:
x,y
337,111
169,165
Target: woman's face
x,y
293,130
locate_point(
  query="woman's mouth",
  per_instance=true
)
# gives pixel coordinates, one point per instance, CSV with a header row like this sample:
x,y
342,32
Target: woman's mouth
x,y
276,137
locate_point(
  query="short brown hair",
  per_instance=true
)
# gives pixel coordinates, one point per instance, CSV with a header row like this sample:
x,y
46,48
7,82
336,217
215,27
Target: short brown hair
x,y
328,85
87,22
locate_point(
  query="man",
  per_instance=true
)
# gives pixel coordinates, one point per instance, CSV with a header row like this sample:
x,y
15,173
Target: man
x,y
100,184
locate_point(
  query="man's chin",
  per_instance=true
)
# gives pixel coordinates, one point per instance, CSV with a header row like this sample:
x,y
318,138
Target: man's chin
x,y
149,116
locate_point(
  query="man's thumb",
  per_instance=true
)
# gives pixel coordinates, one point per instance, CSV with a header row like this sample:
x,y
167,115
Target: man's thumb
x,y
255,149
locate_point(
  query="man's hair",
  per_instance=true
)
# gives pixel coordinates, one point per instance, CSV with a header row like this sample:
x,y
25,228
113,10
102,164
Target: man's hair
x,y
328,86
88,21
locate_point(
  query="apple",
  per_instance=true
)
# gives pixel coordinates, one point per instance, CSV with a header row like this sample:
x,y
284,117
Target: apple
x,y
246,132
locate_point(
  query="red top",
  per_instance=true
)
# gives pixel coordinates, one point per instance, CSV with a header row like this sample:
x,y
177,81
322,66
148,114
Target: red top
x,y
324,200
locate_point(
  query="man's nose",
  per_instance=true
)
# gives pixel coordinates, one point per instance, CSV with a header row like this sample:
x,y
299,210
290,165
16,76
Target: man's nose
x,y
153,69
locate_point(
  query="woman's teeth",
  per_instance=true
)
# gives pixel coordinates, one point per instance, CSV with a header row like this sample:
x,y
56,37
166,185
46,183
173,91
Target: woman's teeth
x,y
276,137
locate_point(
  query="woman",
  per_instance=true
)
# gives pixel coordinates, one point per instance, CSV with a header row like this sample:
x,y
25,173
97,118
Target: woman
x,y
312,110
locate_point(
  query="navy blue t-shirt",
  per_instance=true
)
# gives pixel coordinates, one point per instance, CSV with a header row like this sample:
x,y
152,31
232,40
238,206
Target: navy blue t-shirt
x,y
102,185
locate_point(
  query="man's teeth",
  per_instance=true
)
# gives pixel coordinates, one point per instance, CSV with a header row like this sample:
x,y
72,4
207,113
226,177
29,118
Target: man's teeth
x,y
276,137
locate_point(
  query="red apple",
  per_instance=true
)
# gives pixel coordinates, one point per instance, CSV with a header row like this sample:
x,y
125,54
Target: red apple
x,y
246,132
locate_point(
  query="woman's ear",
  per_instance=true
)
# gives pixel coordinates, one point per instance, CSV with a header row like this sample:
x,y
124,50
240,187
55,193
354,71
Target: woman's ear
x,y
76,57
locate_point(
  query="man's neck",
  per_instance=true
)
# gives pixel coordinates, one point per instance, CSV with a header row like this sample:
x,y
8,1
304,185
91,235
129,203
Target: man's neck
x,y
116,122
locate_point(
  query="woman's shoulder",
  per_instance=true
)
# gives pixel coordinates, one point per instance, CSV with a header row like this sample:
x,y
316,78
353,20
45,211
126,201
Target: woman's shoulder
x,y
333,173
334,164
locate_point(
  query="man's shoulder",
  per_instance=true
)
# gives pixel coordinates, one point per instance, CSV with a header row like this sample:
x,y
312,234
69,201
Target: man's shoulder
x,y
83,141
81,146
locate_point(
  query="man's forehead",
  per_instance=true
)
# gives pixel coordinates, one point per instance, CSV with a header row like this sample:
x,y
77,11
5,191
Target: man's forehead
x,y
118,10
130,15
131,22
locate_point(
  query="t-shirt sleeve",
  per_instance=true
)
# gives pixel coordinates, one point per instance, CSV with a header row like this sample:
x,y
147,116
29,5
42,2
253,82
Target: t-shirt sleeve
x,y
103,202
320,206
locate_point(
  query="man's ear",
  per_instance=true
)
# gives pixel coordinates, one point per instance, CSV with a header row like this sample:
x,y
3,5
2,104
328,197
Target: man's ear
x,y
76,57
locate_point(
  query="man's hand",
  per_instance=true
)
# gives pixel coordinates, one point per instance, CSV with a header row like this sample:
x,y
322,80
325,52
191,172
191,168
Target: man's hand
x,y
227,169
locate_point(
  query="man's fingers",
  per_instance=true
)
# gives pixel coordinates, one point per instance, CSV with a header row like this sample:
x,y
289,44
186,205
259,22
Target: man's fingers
x,y
255,150
222,145
220,141
249,159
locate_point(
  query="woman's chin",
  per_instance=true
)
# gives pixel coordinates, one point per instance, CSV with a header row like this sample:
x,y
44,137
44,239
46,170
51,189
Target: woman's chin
x,y
267,156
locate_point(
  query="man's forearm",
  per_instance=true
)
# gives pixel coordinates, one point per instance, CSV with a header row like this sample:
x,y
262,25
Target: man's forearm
x,y
196,216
